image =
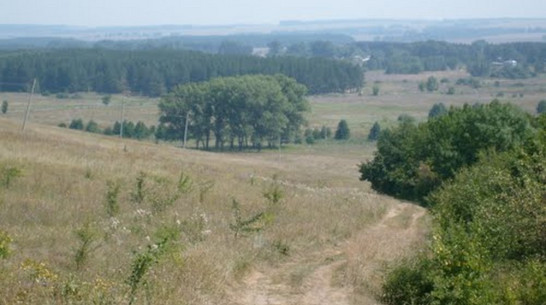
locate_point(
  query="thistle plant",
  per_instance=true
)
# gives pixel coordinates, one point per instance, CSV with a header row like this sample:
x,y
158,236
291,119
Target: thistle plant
x,y
143,262
112,194
251,224
86,237
139,194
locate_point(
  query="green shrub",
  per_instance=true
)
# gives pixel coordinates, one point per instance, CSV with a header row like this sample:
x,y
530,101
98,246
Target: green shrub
x,y
8,174
92,126
5,241
408,284
375,90
112,194
86,236
76,124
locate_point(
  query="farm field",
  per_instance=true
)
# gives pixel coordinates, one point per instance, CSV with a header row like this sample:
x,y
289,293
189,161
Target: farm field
x,y
97,219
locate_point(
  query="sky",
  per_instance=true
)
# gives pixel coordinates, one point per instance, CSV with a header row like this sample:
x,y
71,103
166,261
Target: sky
x,y
217,12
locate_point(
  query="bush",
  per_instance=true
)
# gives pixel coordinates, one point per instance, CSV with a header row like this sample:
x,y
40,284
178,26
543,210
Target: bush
x,y
92,126
8,174
76,124
375,90
408,284
106,100
5,241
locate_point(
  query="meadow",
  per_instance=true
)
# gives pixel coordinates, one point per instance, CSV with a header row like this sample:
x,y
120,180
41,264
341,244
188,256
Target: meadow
x,y
96,219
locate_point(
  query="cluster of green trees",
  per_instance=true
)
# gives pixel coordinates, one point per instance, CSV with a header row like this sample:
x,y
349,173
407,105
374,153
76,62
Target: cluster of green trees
x,y
245,111
316,134
414,159
131,130
155,72
488,244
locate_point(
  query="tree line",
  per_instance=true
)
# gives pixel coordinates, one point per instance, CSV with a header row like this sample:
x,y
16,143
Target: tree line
x,y
156,72
245,111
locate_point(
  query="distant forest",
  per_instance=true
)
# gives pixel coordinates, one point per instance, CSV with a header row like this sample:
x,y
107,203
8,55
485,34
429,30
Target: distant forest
x,y
480,58
324,63
156,72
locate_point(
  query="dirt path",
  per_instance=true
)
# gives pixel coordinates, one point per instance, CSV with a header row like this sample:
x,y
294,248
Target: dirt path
x,y
311,279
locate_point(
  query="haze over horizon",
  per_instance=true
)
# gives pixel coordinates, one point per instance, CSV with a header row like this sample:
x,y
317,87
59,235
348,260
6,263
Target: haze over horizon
x,y
96,13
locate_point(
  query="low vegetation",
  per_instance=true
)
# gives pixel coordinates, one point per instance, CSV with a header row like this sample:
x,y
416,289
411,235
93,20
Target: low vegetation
x,y
94,219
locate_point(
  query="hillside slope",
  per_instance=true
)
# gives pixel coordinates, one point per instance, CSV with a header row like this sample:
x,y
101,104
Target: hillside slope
x,y
97,219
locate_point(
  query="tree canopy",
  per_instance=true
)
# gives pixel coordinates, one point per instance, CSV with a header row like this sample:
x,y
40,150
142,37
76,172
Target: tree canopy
x,y
488,244
241,111
412,160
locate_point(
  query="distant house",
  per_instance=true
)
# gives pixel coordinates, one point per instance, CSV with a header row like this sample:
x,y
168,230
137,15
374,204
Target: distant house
x,y
260,52
359,60
511,63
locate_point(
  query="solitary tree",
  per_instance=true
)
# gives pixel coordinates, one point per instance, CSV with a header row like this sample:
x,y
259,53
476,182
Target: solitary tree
x,y
342,132
422,86
4,107
375,90
437,110
106,99
541,107
432,84
374,132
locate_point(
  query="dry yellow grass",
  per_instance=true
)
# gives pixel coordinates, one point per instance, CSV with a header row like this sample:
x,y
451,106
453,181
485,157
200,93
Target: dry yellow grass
x,y
327,242
63,188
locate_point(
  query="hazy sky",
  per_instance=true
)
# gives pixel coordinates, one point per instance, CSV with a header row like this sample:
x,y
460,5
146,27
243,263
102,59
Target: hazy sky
x,y
159,12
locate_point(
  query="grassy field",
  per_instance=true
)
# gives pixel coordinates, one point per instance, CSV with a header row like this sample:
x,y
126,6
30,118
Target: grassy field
x,y
398,94
95,219
72,244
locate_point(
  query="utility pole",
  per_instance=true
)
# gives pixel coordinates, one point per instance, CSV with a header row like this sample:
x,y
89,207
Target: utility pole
x,y
28,105
280,144
186,128
122,117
